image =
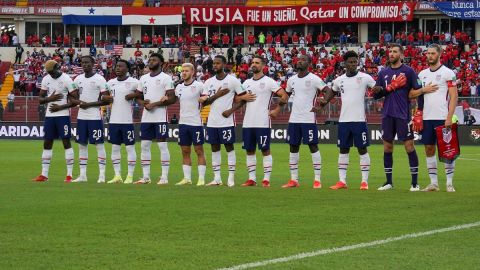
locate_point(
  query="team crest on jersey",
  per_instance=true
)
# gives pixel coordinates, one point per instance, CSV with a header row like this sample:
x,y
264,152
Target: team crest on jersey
x,y
92,84
447,135
158,82
193,88
359,80
308,83
438,77
128,84
225,85
262,85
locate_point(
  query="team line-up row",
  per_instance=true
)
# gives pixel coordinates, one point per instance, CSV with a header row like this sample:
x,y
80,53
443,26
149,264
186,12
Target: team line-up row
x,y
225,94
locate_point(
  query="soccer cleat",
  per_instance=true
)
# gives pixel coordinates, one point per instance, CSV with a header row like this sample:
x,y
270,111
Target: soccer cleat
x,y
230,183
266,183
317,184
431,187
291,184
450,188
68,179
201,182
215,183
162,181
249,183
385,187
184,182
128,180
142,181
40,178
117,179
415,188
80,179
339,185
364,186
101,180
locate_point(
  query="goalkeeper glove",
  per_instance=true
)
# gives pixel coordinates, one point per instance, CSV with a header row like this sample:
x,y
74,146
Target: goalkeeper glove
x,y
397,83
417,121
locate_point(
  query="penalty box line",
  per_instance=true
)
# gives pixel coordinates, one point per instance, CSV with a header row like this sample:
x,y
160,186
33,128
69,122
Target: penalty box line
x,y
320,252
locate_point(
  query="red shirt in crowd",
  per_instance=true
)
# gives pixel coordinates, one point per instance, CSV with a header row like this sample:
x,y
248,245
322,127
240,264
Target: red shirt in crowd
x,y
89,40
251,39
225,39
146,39
269,39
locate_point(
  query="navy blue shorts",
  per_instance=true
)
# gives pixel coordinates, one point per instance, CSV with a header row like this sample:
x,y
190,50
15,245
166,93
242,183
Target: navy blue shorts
x,y
297,131
121,133
392,126
57,127
429,135
188,135
150,131
89,131
256,136
350,133
224,135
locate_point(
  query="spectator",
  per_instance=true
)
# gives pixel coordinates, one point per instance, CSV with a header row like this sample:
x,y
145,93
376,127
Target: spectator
x,y
93,51
18,53
5,39
251,39
230,53
129,41
15,41
146,40
387,36
11,102
89,40
261,39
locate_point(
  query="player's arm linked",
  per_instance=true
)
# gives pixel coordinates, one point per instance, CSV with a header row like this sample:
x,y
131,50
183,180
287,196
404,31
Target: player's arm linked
x,y
238,102
100,102
281,102
329,94
209,100
166,100
427,89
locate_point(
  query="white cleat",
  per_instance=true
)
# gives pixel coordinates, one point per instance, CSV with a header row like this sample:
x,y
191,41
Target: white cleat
x,y
231,183
215,183
450,188
162,181
101,180
80,180
431,187
415,188
385,187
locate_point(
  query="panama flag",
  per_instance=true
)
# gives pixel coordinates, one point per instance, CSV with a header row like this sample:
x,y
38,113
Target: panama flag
x,y
151,16
92,15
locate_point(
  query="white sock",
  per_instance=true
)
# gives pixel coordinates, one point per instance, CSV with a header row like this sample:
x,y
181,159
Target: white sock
x,y
252,167
216,163
132,159
343,160
146,157
317,165
432,170
187,172
102,160
201,172
449,171
365,166
232,161
165,158
116,158
267,167
46,158
294,157
69,158
83,159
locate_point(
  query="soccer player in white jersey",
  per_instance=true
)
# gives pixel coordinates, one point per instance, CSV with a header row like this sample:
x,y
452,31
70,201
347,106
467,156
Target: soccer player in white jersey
x,y
352,126
152,87
120,128
304,86
437,108
59,92
190,128
91,86
219,91
256,127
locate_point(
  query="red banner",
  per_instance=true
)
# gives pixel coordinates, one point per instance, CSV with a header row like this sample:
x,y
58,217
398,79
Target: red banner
x,y
270,16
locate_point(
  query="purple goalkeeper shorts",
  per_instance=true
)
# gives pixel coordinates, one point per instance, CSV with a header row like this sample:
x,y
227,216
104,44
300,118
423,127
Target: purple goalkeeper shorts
x,y
392,126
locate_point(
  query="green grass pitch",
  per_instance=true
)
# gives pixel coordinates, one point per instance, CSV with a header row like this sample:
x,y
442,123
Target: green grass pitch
x,y
98,226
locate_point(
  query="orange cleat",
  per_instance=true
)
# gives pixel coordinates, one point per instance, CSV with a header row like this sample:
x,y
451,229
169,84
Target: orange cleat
x,y
68,179
339,185
40,178
364,186
266,183
249,183
317,184
291,184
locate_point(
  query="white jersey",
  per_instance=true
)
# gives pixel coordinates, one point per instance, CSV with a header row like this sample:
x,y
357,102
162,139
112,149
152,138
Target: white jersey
x,y
304,91
188,96
89,90
256,113
352,91
154,88
62,85
215,118
121,112
436,104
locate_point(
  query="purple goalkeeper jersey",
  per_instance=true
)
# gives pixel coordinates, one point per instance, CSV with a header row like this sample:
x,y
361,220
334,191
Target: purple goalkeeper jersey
x,y
397,103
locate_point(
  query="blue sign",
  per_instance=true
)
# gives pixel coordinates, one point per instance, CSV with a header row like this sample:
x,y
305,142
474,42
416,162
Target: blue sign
x,y
465,10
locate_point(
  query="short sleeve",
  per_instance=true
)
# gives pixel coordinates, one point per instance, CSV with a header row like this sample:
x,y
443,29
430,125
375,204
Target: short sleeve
x,y
168,83
289,86
274,86
205,90
44,84
103,84
71,86
335,86
140,86
451,79
319,83
370,81
237,86
415,81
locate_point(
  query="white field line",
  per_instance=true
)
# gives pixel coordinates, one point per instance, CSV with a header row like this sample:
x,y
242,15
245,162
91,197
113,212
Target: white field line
x,y
351,247
473,159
